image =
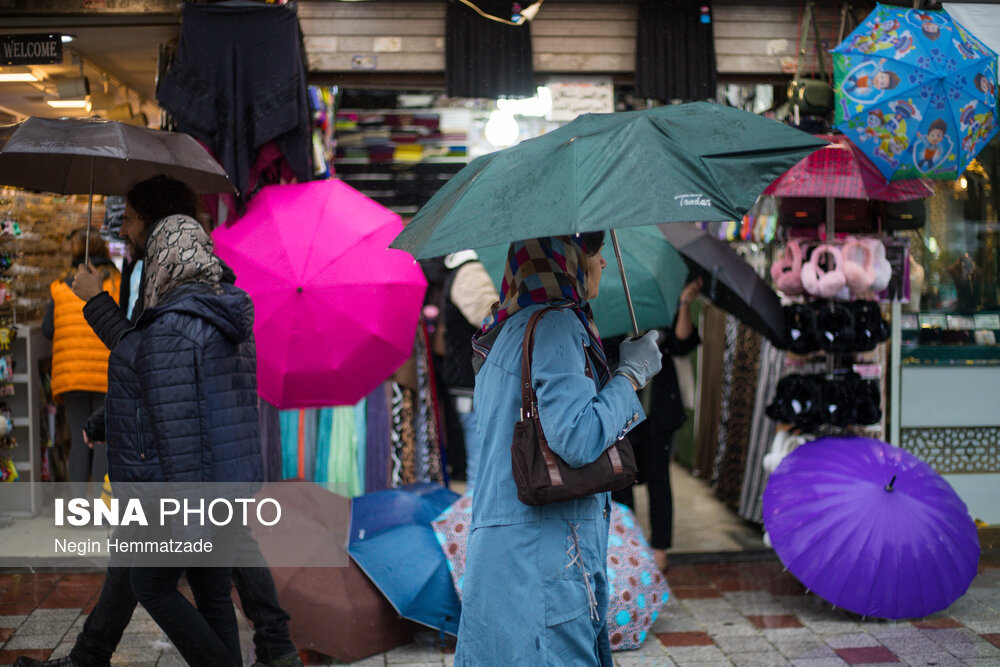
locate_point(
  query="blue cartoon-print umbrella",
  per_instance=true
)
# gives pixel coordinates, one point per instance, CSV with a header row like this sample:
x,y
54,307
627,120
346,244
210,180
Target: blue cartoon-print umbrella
x,y
916,92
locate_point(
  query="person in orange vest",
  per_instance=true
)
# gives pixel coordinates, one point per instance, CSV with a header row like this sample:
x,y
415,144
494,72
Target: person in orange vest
x,y
80,360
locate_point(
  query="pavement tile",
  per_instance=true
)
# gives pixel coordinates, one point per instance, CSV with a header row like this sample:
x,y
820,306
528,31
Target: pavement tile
x,y
6,633
974,649
788,635
980,662
175,660
930,659
670,639
8,657
866,655
738,628
731,645
830,628
44,626
854,640
20,641
696,593
771,659
911,646
942,622
12,621
684,655
992,638
62,650
818,662
626,659
807,650
774,621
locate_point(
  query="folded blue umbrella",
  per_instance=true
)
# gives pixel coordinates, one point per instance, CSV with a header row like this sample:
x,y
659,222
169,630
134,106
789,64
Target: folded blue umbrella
x,y
391,539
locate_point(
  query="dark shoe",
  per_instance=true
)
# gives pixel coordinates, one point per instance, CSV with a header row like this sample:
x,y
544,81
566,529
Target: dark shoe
x,y
287,660
31,662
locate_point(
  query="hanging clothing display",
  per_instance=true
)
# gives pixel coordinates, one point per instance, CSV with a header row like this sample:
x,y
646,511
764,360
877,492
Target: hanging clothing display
x,y
270,440
377,439
484,58
710,375
728,363
675,50
762,430
731,458
237,82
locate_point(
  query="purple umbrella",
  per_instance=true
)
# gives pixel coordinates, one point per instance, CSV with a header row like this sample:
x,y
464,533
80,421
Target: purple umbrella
x,y
870,528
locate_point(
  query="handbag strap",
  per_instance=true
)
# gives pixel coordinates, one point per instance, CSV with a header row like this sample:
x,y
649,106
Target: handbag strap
x,y
529,402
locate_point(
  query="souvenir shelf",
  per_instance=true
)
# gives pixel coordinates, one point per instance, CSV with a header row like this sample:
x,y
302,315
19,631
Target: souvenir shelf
x,y
23,497
398,157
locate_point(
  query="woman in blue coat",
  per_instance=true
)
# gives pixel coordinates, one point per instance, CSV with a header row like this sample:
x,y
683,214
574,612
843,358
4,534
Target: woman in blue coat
x,y
535,589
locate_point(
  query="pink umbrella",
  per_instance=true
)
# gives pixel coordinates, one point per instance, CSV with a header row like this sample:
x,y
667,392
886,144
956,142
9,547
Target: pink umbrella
x,y
841,169
336,309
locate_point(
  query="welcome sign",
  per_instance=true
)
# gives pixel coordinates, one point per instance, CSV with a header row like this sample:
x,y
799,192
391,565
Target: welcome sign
x,y
35,49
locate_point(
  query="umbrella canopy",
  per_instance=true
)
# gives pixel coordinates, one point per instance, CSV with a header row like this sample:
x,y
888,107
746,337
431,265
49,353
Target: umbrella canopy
x,y
78,156
916,92
637,587
323,597
842,170
686,162
870,528
655,273
336,311
728,281
392,541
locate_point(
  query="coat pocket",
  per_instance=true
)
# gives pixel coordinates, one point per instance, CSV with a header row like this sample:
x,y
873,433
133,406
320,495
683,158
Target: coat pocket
x,y
567,550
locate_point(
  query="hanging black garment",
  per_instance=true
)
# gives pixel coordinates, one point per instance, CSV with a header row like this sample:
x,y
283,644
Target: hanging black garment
x,y
238,81
484,58
675,50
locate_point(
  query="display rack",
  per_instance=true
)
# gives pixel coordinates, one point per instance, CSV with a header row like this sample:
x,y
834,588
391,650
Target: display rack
x,y
25,403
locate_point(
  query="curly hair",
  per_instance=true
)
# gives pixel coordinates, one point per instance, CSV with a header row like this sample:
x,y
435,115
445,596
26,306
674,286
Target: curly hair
x,y
160,196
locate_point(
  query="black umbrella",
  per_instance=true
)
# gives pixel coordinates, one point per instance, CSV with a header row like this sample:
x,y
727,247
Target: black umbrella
x,y
728,281
77,156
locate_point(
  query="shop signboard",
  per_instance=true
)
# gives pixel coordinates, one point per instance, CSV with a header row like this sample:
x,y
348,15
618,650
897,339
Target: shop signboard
x,y
33,49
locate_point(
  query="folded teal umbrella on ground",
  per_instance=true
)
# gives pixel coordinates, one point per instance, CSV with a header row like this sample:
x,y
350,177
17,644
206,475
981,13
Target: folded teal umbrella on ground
x,y
655,273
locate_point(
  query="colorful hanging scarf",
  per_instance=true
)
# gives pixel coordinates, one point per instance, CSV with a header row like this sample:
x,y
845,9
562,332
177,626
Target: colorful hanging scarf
x,y
547,270
178,252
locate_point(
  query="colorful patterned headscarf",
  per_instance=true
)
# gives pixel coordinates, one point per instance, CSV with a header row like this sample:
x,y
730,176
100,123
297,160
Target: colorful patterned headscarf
x,y
549,270
178,252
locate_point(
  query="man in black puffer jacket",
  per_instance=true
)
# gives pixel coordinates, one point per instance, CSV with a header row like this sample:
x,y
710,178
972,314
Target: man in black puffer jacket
x,y
214,331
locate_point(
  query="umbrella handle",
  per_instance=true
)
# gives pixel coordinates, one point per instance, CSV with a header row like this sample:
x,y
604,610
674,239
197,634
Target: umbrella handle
x,y
90,215
628,295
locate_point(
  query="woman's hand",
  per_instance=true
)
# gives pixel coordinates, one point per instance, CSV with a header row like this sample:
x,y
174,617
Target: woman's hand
x,y
691,291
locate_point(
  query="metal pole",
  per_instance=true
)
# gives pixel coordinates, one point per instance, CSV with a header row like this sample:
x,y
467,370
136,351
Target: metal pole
x,y
90,214
621,270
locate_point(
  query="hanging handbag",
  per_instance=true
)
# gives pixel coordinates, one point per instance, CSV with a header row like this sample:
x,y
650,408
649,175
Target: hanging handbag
x,y
541,476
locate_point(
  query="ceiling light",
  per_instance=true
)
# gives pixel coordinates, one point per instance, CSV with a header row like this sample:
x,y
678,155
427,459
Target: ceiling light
x,y
66,39
12,77
68,104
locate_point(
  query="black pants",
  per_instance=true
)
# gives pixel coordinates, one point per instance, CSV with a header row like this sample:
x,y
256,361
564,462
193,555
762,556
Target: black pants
x,y
82,462
105,625
652,458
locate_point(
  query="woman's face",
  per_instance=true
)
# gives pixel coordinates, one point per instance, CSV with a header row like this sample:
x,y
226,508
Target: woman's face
x,y
595,264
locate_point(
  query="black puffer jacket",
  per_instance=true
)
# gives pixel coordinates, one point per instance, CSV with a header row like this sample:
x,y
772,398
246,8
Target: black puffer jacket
x,y
182,392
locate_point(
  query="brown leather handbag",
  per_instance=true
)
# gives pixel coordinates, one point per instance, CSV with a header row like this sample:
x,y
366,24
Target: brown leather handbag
x,y
542,477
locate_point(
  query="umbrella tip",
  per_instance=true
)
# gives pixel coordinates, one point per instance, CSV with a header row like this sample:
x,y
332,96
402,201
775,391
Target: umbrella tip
x,y
299,290
888,487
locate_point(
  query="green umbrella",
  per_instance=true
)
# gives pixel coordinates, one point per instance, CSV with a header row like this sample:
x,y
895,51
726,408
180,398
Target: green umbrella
x,y
656,274
677,163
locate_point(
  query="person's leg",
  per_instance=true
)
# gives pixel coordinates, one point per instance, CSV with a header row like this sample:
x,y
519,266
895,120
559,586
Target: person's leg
x,y
211,587
195,639
77,405
259,598
99,459
105,625
661,504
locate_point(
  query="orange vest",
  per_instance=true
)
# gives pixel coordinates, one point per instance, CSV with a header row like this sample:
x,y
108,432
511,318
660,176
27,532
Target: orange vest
x,y
79,358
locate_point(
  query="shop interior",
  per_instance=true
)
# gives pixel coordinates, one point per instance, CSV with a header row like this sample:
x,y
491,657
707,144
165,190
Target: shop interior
x,y
398,147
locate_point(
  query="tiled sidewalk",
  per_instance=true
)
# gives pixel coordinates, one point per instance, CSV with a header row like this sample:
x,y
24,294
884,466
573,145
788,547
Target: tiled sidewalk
x,y
745,614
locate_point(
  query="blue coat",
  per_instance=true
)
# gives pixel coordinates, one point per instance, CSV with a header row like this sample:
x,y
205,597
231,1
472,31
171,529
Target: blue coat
x,y
182,392
528,599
